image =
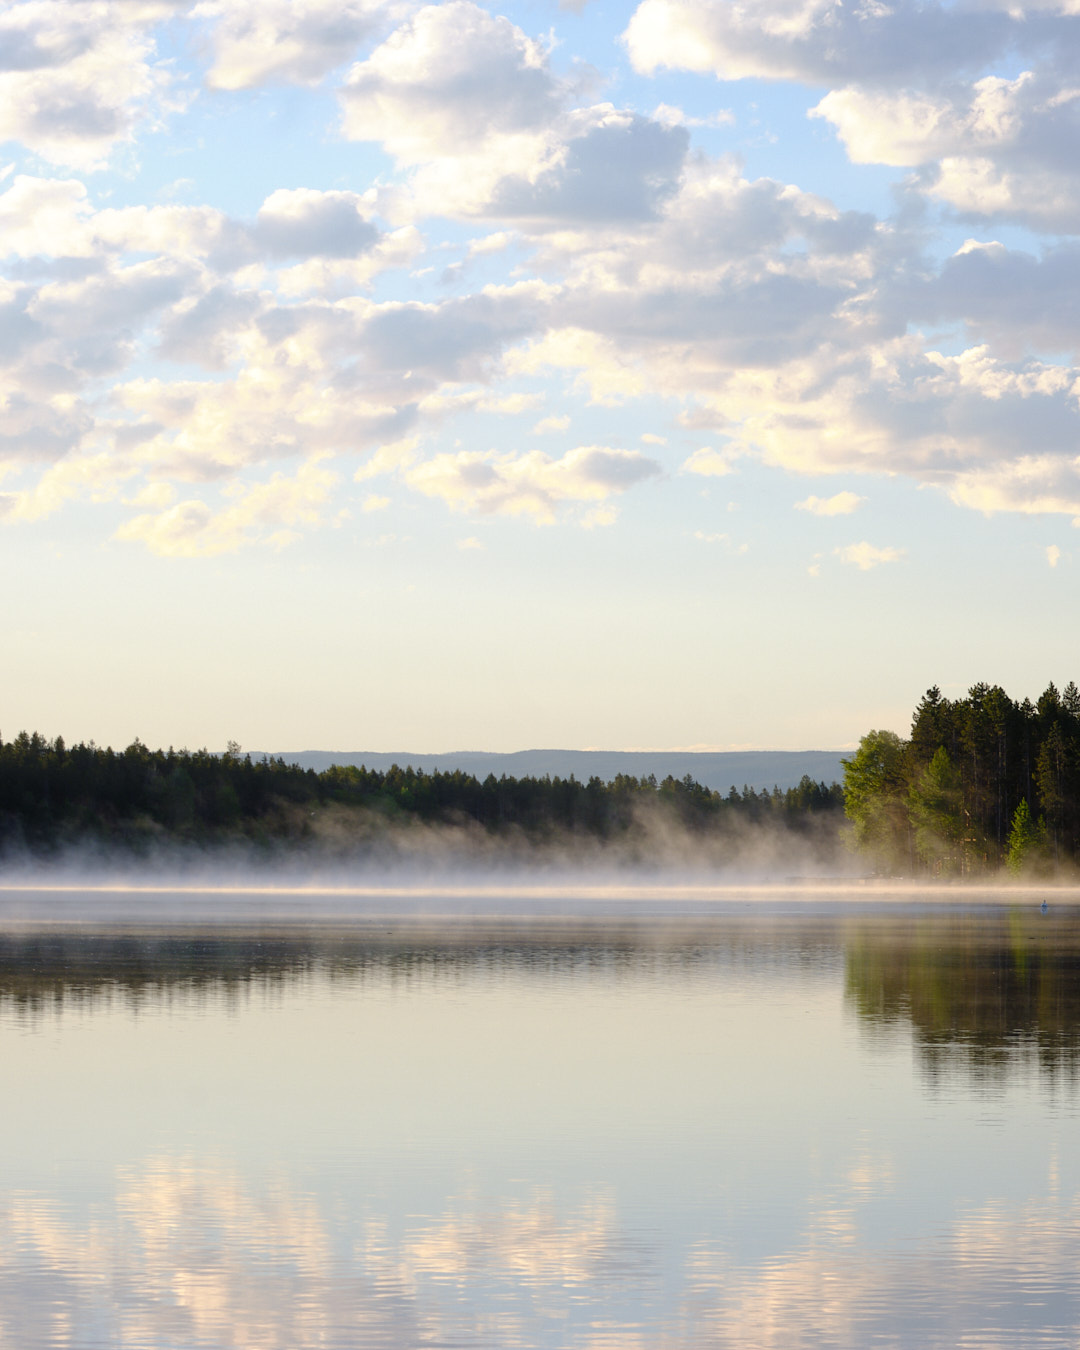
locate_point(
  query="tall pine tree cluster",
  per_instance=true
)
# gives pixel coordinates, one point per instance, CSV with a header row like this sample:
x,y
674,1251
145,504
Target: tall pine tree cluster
x,y
983,781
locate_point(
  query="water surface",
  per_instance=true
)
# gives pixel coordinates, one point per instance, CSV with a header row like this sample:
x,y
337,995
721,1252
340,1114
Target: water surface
x,y
789,1124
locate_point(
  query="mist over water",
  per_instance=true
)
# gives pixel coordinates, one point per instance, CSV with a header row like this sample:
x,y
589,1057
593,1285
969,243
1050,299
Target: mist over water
x,y
342,848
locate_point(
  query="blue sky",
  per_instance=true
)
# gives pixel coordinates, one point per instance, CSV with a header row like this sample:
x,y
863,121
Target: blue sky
x,y
429,377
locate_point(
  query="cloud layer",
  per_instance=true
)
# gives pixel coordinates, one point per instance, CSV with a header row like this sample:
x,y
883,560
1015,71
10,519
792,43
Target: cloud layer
x,y
576,249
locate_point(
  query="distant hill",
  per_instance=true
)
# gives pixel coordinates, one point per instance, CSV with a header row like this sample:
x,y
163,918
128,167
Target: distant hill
x,y
720,770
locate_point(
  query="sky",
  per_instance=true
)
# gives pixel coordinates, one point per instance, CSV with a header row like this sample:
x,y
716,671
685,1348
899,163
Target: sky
x,y
379,375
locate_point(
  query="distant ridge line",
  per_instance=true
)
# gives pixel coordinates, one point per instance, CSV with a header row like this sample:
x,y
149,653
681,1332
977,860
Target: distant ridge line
x,y
719,769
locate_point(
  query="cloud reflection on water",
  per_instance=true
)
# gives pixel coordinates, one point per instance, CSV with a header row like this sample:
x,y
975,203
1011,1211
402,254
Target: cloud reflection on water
x,y
998,1278
186,1253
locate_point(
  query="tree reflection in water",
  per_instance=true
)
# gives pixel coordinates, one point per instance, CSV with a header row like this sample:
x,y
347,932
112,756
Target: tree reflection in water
x,y
990,993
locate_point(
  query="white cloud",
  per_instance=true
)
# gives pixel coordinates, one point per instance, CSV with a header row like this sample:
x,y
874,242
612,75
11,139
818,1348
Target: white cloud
x,y
97,478
531,484
997,148
471,544
388,458
468,101
709,463
1017,302
268,511
864,555
610,374
841,504
510,405
604,166
257,42
77,76
373,502
342,276
44,216
490,243
911,128
722,539
814,41
909,84
1029,484
157,496
773,321
301,222
669,116
453,80
1053,555
547,425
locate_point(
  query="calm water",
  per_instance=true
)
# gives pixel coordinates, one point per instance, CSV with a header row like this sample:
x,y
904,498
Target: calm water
x,y
748,1126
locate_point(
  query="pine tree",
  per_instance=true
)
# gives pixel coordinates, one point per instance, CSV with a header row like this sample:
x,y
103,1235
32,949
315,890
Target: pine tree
x,y
1027,840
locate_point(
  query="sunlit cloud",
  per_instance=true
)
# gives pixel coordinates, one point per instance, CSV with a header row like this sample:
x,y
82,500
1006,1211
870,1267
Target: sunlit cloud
x,y
840,504
527,243
865,556
531,484
709,463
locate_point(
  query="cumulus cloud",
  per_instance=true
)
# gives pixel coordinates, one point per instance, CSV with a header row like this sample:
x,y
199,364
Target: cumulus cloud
x,y
268,511
709,463
910,84
547,425
77,76
1053,555
42,216
1032,484
840,504
771,320
611,166
93,477
996,148
1018,302
301,222
470,103
531,484
453,77
815,41
258,42
898,408
864,555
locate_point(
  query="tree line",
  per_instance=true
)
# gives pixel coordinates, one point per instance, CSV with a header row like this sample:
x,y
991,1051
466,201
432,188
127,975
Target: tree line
x,y
52,795
982,782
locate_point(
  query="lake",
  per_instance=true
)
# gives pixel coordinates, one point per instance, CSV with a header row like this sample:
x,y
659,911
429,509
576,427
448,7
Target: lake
x,y
667,1120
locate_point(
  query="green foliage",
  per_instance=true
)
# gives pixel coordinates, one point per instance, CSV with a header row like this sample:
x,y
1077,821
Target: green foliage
x,y
875,790
935,808
968,766
1027,841
52,794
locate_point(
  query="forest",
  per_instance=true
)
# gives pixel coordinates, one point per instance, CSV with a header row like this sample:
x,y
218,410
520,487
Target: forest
x,y
982,783
53,796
